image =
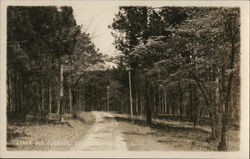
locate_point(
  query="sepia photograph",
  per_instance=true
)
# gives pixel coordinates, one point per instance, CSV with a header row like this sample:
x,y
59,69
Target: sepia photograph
x,y
127,77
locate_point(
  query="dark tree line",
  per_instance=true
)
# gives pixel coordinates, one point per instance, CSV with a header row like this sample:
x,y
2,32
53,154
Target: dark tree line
x,y
47,59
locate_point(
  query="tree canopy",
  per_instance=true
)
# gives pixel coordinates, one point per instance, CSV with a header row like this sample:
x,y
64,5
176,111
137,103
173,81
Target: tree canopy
x,y
194,50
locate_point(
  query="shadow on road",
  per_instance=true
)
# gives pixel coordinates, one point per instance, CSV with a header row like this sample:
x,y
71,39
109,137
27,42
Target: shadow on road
x,y
132,133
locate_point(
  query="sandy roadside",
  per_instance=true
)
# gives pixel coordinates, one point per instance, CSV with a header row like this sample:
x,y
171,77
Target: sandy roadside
x,y
48,137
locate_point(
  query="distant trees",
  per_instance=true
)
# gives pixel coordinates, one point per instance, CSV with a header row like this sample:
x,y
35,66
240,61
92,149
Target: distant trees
x,y
47,54
185,62
84,57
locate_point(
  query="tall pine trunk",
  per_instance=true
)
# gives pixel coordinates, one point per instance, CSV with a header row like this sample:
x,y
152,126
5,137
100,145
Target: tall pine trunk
x,y
9,92
70,100
50,99
181,106
148,103
60,106
165,101
42,103
223,145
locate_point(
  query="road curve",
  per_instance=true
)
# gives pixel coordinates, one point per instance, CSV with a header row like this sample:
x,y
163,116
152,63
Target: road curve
x,y
103,136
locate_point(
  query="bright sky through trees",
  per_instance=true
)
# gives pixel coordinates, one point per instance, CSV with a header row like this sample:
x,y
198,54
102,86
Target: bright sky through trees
x,y
95,20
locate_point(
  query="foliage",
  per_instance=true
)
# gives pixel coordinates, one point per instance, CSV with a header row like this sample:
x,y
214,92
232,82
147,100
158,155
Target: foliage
x,y
40,41
192,50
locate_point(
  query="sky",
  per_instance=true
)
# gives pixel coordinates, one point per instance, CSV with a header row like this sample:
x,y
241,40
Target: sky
x,y
95,20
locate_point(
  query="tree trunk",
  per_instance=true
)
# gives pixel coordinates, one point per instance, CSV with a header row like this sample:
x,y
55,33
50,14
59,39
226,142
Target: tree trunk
x,y
162,103
159,100
70,100
180,104
148,103
130,94
195,106
165,102
231,33
214,115
139,101
136,102
27,108
9,93
223,145
154,106
42,102
20,97
142,105
50,99
92,100
60,88
59,91
170,106
60,106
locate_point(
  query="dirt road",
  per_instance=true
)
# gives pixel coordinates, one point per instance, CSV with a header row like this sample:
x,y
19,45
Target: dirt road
x,y
103,136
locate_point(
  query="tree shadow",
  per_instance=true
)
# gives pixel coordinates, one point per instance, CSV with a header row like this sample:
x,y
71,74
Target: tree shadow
x,y
109,118
174,131
163,126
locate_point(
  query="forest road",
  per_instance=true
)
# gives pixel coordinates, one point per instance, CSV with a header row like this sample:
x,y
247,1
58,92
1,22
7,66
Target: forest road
x,y
103,136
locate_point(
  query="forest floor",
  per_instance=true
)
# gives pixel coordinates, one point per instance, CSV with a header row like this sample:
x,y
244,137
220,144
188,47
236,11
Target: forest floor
x,y
39,136
169,136
109,131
